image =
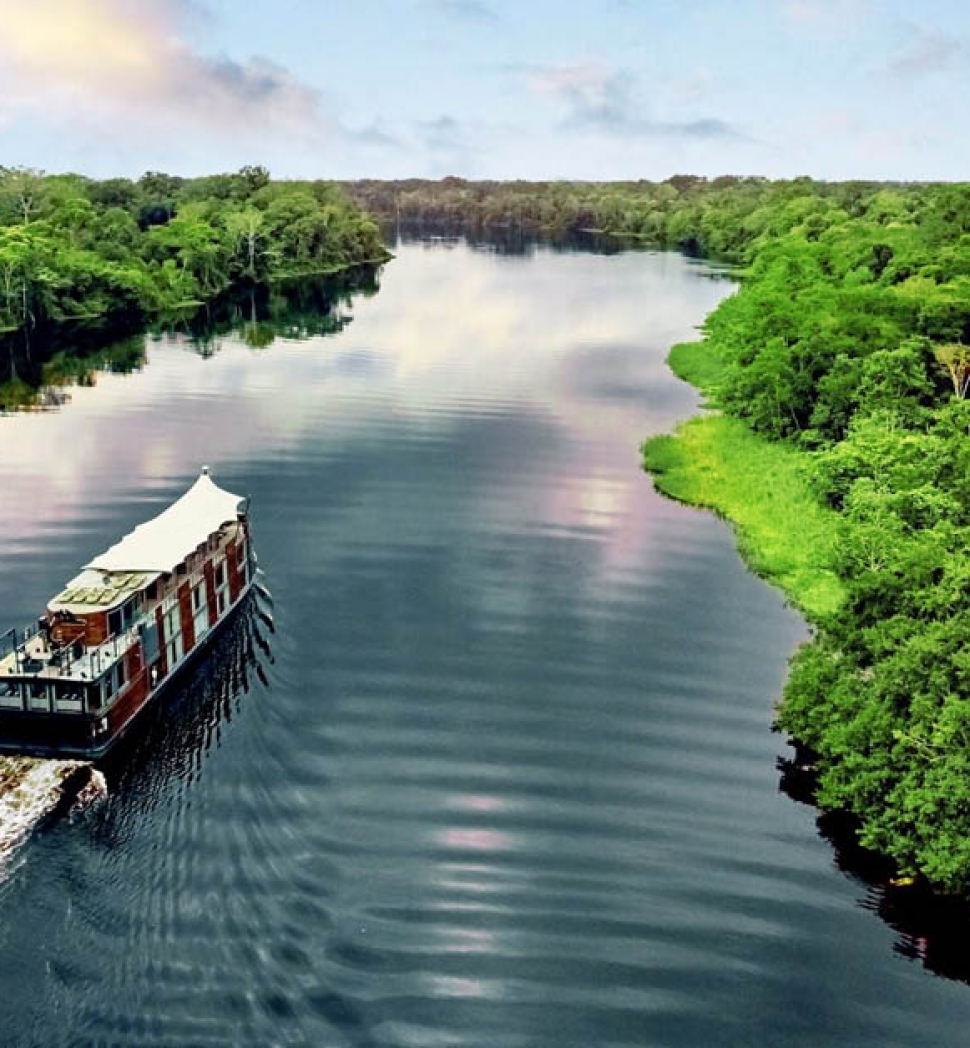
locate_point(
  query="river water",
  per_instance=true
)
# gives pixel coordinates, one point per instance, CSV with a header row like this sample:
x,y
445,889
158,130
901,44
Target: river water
x,y
503,775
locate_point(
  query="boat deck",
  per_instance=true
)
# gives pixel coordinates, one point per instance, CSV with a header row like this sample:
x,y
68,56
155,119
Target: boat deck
x,y
37,659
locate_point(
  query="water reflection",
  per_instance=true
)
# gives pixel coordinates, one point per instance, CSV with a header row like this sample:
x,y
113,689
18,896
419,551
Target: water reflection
x,y
38,377
932,930
512,241
295,310
36,371
507,241
475,840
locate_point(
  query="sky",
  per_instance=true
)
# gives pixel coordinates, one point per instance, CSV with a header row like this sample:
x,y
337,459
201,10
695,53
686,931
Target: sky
x,y
534,89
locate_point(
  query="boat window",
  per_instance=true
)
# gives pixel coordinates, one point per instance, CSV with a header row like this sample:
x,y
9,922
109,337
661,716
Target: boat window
x,y
37,690
97,694
175,651
173,622
10,696
114,680
200,622
128,613
114,622
220,576
69,699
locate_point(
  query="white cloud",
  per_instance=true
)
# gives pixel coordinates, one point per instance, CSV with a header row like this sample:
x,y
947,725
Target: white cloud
x,y
598,98
101,59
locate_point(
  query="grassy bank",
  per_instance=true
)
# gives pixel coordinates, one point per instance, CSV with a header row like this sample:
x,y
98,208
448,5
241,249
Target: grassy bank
x,y
716,462
785,535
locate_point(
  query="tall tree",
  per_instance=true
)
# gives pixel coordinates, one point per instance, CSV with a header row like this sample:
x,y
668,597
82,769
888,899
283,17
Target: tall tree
x,y
955,361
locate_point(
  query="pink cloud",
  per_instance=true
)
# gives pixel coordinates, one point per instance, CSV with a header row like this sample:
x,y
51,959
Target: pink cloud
x,y
104,58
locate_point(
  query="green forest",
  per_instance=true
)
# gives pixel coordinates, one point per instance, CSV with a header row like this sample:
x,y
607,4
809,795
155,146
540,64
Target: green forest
x,y
849,340
840,446
76,252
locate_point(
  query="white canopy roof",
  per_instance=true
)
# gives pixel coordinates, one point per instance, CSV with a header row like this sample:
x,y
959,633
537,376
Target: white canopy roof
x,y
164,542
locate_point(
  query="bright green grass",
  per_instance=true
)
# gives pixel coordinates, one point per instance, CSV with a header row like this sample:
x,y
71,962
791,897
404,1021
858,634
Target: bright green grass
x,y
717,462
695,363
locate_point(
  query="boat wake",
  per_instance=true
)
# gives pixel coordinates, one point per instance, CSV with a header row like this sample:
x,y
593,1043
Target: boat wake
x,y
33,788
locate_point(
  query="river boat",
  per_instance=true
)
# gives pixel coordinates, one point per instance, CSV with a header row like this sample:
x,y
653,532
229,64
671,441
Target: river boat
x,y
121,631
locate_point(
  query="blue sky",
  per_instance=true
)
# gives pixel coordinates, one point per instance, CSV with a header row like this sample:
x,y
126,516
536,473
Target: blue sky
x,y
593,89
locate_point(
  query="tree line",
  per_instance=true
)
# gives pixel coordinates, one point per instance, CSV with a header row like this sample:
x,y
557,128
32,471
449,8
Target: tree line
x,y
850,339
77,251
717,217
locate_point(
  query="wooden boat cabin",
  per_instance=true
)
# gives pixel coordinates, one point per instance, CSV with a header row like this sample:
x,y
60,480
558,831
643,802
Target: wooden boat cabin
x,y
123,628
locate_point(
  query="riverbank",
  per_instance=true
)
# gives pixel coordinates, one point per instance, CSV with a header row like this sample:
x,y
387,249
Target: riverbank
x,y
88,250
871,758
69,356
716,462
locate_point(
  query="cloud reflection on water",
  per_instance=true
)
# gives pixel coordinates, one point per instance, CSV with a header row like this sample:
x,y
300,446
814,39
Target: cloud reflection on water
x,y
140,437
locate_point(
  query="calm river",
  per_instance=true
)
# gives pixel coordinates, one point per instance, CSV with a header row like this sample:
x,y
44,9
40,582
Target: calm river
x,y
503,776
